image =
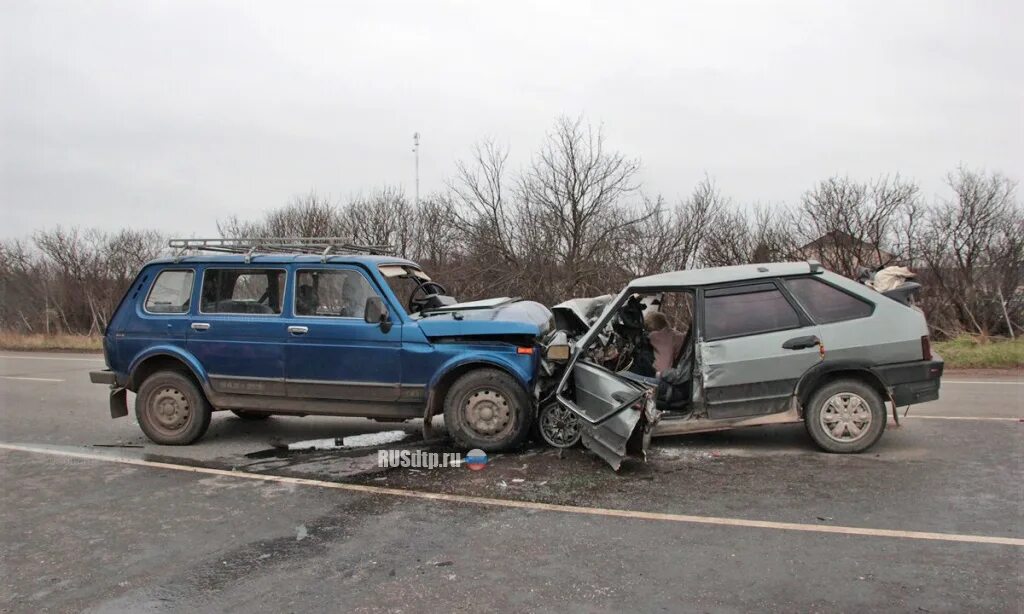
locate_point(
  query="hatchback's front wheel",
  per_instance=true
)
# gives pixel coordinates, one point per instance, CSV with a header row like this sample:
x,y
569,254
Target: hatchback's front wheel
x,y
171,409
845,416
487,409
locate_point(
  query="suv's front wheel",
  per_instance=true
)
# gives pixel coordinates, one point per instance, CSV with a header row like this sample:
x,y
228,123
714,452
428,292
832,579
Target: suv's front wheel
x,y
845,416
171,408
487,409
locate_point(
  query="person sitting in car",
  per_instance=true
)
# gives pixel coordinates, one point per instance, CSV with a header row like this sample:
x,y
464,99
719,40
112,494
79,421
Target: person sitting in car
x,y
666,341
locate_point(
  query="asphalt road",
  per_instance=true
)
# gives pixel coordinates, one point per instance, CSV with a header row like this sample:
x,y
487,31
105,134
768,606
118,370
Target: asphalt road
x,y
930,520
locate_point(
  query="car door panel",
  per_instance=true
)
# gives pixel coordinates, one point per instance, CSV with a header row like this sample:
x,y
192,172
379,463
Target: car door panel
x,y
242,353
332,353
617,414
755,375
756,344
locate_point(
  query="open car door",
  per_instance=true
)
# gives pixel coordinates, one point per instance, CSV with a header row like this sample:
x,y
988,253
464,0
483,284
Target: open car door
x,y
616,414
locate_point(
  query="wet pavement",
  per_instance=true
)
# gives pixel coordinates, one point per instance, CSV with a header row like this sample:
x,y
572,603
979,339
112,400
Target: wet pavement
x,y
109,536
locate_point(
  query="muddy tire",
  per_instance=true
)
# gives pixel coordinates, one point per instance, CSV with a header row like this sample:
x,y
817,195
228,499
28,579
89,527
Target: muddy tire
x,y
845,416
489,410
171,409
250,414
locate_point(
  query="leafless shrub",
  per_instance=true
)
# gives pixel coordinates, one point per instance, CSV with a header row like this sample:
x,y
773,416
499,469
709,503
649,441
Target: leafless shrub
x,y
973,248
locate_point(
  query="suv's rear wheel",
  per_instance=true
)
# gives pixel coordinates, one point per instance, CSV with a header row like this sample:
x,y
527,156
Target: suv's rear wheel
x,y
487,409
171,408
845,416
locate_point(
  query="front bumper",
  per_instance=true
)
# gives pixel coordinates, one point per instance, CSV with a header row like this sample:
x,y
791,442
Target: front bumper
x,y
913,382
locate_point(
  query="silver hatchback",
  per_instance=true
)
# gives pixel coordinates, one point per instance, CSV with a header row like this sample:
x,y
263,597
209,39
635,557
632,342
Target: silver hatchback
x,y
729,347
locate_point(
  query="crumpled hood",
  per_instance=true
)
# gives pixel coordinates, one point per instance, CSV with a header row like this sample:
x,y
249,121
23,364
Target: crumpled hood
x,y
577,314
498,316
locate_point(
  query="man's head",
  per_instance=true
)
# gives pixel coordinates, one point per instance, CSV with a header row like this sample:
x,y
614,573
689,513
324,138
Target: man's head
x,y
655,320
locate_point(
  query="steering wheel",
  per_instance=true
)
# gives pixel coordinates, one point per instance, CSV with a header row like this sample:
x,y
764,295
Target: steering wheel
x,y
417,305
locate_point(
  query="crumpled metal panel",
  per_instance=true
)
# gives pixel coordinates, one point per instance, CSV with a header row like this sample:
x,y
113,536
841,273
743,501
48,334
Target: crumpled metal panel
x,y
624,435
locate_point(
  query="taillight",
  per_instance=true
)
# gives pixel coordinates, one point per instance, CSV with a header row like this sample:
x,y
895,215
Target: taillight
x,y
926,348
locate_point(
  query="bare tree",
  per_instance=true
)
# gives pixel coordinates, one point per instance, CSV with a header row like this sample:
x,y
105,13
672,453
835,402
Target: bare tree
x,y
574,199
974,248
848,225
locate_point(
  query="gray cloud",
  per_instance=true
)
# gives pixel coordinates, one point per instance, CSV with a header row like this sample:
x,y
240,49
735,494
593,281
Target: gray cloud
x,y
174,114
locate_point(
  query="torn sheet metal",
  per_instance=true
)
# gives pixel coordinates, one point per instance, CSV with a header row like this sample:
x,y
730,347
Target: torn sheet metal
x,y
627,434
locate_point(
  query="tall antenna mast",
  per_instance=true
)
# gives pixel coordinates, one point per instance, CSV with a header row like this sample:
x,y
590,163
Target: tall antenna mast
x,y
416,150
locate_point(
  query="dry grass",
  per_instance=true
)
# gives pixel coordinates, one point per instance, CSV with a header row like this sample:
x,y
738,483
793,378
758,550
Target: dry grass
x,y
969,352
42,343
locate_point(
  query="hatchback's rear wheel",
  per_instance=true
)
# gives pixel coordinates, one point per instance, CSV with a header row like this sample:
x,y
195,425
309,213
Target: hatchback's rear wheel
x,y
487,409
171,409
845,416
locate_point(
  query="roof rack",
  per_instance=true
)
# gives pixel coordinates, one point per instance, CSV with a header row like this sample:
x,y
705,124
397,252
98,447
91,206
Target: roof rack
x,y
324,246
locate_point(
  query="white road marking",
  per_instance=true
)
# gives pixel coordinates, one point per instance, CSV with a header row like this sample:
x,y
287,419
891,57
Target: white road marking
x,y
981,382
97,359
531,505
962,418
31,379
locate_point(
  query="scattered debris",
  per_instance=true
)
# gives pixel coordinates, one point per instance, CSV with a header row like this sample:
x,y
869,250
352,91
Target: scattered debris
x,y
518,480
825,518
301,533
443,563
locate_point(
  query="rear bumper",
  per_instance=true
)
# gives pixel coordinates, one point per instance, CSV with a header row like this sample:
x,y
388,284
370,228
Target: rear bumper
x,y
105,376
913,382
118,393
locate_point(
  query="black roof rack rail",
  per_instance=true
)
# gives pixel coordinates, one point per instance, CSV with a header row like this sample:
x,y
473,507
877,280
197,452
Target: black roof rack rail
x,y
324,246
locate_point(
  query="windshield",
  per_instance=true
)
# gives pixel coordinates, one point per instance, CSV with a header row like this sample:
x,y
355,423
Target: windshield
x,y
403,280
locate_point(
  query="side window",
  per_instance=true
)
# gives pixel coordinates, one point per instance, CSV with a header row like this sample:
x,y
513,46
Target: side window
x,y
824,303
762,309
331,293
171,293
247,291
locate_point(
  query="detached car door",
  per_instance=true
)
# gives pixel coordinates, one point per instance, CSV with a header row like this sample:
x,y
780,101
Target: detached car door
x,y
616,413
333,353
755,345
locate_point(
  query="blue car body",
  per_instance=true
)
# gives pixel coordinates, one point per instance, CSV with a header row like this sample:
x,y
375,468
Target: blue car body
x,y
336,365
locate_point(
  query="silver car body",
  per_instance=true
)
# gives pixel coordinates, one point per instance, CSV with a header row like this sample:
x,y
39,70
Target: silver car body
x,y
752,379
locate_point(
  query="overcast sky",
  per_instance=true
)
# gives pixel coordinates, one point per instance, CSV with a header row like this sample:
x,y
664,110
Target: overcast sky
x,y
173,114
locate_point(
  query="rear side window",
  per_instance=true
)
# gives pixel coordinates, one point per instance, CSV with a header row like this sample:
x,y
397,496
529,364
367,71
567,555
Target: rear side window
x,y
763,309
337,293
824,303
244,291
171,293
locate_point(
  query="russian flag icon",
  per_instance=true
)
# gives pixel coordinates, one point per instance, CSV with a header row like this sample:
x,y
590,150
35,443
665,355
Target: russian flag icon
x,y
476,459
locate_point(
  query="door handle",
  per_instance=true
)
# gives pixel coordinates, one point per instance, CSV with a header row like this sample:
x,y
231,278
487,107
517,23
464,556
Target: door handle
x,y
298,330
200,326
799,343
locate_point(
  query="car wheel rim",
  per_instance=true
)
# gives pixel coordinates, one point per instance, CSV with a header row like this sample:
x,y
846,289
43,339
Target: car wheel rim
x,y
170,410
559,426
487,413
845,417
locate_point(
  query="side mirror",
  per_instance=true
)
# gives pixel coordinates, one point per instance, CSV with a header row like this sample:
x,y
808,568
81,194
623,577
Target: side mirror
x,y
376,312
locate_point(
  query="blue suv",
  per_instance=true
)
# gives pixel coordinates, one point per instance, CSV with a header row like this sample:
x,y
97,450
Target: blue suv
x,y
303,327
